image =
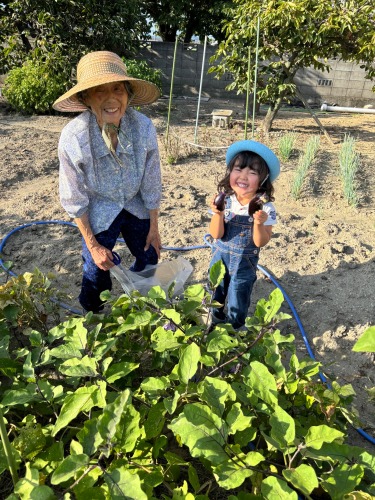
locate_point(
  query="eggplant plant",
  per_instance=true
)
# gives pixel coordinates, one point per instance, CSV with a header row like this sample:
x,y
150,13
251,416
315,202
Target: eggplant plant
x,y
149,402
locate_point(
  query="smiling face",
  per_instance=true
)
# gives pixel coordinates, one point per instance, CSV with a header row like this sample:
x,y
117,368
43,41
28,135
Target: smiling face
x,y
244,182
108,102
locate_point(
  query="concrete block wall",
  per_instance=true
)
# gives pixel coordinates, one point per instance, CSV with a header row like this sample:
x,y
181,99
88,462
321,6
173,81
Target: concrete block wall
x,y
344,84
188,69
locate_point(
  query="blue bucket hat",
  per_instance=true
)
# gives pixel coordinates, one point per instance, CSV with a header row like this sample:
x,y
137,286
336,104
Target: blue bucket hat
x,y
268,156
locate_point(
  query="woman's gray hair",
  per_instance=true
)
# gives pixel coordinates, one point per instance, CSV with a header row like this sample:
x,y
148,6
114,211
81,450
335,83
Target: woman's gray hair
x,y
130,91
81,97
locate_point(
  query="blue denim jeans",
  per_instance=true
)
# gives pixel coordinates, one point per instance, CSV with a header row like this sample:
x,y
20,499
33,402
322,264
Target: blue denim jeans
x,y
237,251
95,280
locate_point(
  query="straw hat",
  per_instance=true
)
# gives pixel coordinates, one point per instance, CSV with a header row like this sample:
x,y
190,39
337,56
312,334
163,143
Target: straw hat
x,y
98,68
263,151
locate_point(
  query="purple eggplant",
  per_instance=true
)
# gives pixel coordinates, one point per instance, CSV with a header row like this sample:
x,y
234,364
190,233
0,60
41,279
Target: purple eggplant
x,y
219,201
257,203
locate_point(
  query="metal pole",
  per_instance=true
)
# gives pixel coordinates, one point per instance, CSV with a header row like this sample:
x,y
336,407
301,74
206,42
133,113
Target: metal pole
x,y
200,90
247,91
171,91
255,77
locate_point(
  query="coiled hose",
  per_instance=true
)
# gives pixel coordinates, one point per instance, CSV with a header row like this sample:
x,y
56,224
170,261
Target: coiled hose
x,y
207,244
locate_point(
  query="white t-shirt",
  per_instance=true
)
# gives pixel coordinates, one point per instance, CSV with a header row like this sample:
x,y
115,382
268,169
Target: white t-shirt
x,y
239,209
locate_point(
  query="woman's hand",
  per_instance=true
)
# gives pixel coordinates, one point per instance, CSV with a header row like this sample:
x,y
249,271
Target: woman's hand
x,y
153,238
102,257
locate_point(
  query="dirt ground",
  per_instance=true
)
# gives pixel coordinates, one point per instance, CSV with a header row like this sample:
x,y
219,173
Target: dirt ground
x,y
321,252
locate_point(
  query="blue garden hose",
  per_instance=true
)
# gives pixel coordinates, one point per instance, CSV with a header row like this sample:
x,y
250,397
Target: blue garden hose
x,y
207,244
37,223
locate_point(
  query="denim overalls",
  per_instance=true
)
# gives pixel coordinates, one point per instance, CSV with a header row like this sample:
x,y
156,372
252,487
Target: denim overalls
x,y
240,256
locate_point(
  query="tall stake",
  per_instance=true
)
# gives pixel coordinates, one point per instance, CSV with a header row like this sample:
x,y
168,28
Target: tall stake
x,y
200,89
247,91
171,91
255,78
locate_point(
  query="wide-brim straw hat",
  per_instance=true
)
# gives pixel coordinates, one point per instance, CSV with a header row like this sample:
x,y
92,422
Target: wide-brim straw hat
x,y
98,68
260,149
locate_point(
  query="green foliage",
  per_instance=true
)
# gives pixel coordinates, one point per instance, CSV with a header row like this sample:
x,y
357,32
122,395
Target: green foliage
x,y
33,87
304,163
27,301
141,69
366,342
286,145
71,28
187,18
293,35
148,402
349,164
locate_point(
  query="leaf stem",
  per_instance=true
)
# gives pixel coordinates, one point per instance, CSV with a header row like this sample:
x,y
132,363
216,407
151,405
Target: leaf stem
x,y
238,356
89,469
8,449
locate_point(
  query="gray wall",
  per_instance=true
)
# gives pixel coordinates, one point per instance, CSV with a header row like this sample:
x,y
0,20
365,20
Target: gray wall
x,y
188,69
344,85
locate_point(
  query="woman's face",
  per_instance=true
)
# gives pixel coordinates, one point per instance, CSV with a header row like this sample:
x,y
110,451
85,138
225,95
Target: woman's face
x,y
108,102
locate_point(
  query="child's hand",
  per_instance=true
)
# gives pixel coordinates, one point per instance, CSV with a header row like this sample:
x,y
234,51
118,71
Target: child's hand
x,y
260,217
213,206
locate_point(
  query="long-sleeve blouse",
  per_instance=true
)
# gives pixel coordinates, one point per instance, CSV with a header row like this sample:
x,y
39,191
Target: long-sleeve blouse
x,y
92,181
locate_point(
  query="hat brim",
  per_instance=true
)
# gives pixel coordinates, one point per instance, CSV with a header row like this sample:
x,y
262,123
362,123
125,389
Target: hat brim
x,y
263,151
144,92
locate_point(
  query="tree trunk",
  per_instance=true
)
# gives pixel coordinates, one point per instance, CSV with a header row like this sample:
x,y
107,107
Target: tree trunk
x,y
189,34
25,41
190,28
271,115
167,32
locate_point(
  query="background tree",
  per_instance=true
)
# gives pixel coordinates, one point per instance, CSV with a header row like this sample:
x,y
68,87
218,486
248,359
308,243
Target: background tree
x,y
187,17
293,35
63,31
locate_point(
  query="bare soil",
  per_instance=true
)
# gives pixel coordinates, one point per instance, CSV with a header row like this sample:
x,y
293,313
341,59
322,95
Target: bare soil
x,y
321,252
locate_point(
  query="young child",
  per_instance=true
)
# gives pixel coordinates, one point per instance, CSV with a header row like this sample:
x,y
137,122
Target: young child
x,y
238,232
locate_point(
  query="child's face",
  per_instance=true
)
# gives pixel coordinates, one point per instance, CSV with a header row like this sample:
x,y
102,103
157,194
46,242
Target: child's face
x,y
244,182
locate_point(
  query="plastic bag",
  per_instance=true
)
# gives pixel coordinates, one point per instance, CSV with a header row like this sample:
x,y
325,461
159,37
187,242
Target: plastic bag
x,y
163,275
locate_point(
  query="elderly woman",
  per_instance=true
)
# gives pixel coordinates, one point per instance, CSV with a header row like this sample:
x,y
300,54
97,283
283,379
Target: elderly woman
x,y
110,181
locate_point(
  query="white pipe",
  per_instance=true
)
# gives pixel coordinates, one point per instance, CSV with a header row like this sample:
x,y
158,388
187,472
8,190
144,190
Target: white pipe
x,y
325,107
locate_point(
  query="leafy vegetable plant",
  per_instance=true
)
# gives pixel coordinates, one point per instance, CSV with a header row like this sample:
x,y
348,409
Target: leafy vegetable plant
x,y
304,163
148,402
286,144
349,161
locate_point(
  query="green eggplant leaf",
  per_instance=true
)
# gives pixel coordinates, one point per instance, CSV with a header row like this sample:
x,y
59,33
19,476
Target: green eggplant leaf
x,y
124,484
318,435
75,367
69,467
274,488
82,400
366,342
188,363
303,478
202,431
